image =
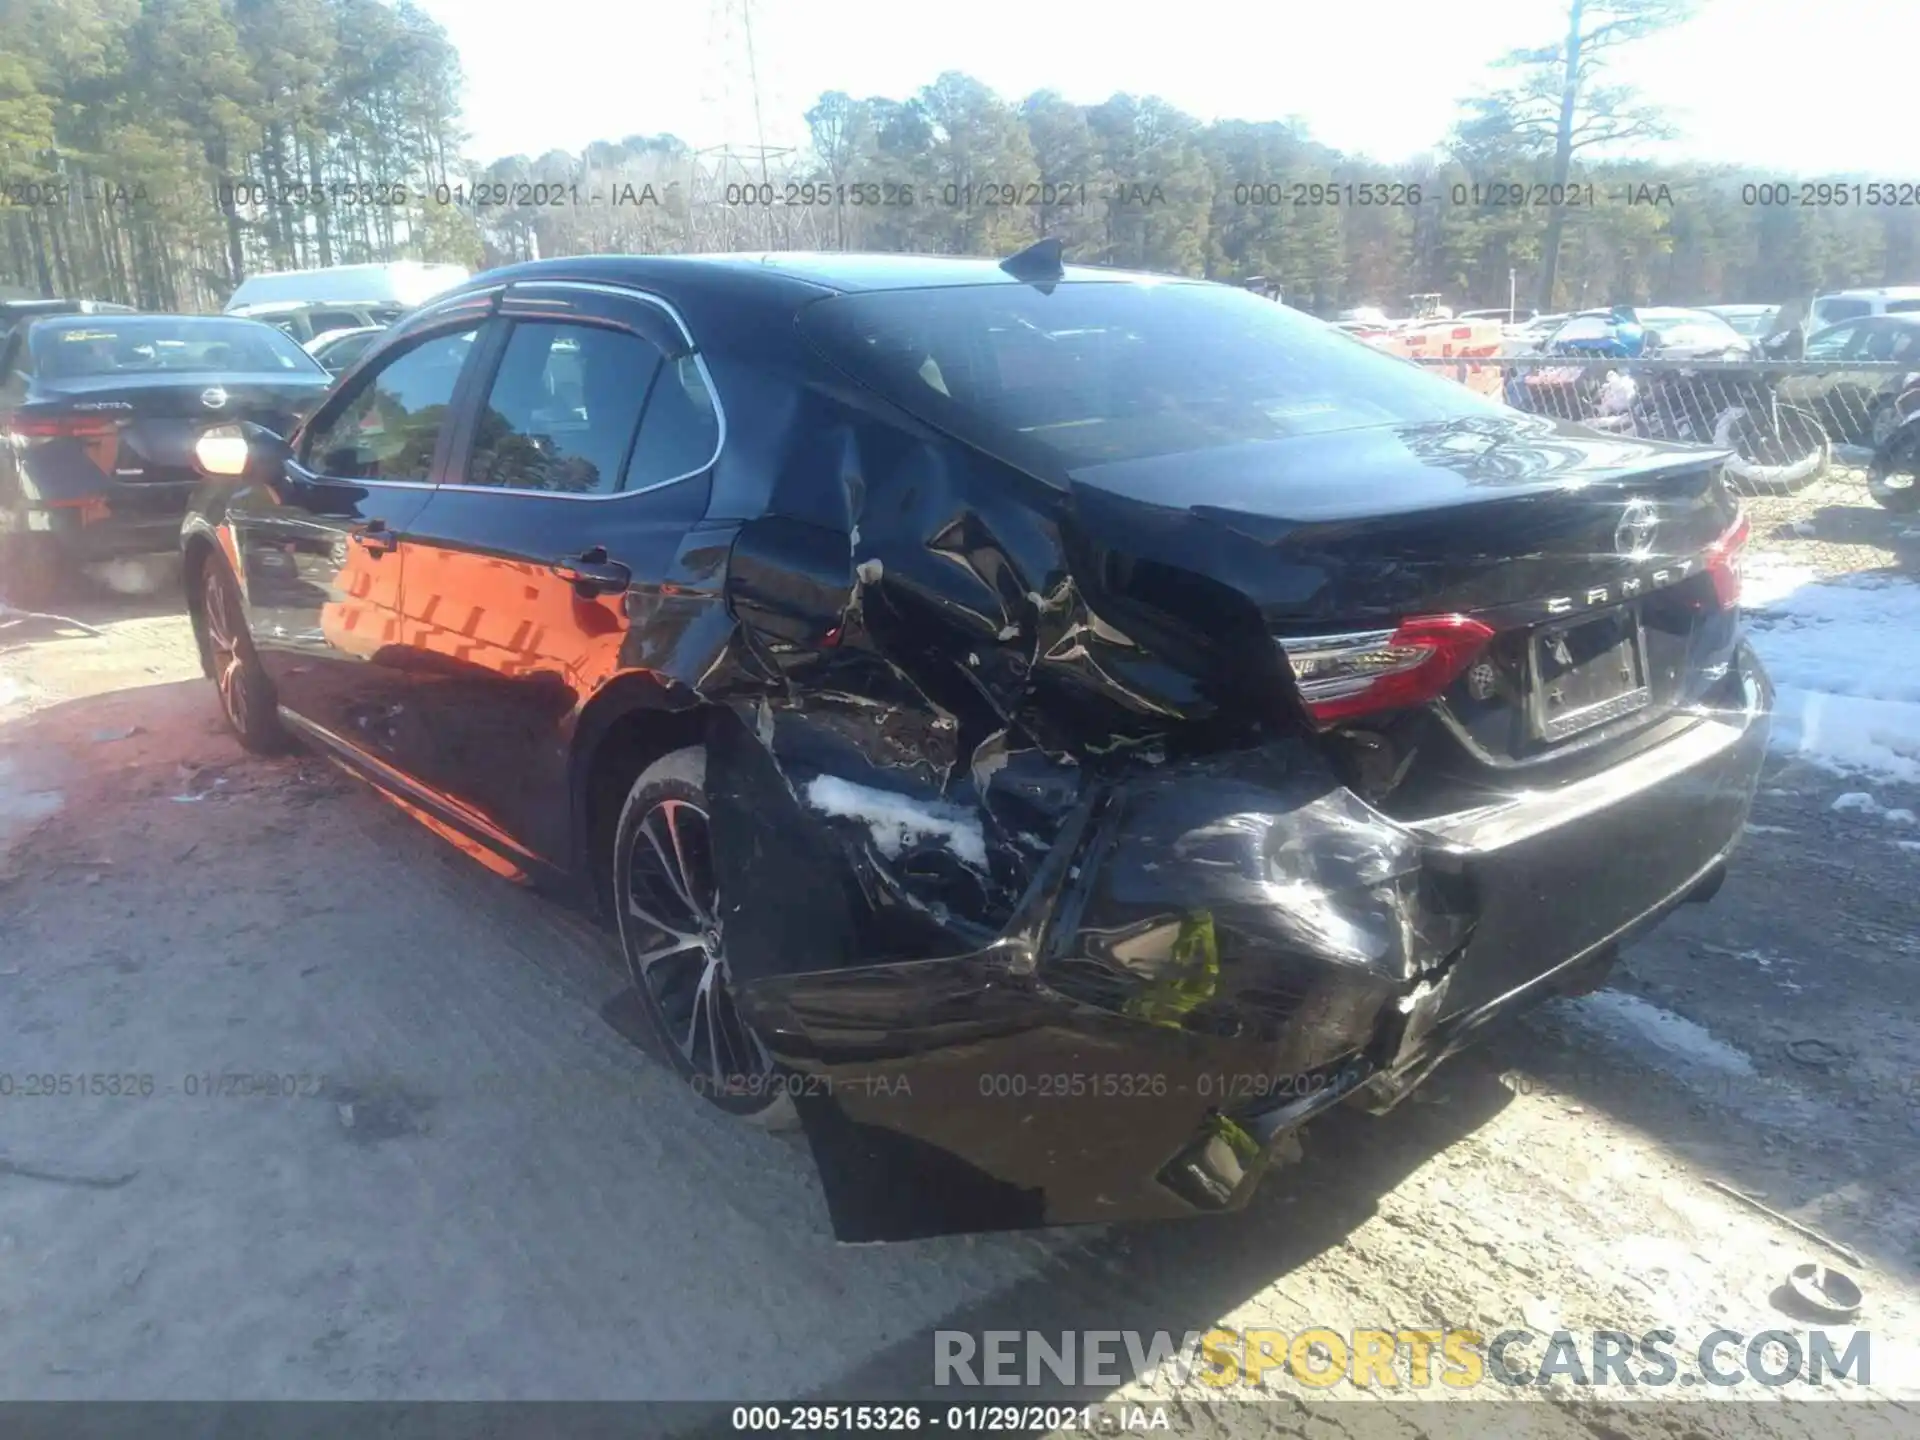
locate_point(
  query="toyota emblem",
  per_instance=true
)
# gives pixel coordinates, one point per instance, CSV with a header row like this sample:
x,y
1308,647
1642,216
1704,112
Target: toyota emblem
x,y
1633,536
213,397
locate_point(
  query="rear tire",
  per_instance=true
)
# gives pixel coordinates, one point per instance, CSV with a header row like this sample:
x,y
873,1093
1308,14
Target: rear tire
x,y
670,912
1900,457
31,572
247,699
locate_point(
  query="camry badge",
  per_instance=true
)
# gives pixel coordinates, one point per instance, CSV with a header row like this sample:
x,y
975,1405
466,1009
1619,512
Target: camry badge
x,y
1633,536
213,397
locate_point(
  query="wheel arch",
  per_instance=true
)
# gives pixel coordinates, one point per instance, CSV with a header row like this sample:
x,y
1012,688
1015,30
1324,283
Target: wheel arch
x,y
630,723
194,555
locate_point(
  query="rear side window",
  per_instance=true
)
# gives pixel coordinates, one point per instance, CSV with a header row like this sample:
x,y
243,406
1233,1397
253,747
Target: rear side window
x,y
1096,373
1902,307
391,427
562,410
681,430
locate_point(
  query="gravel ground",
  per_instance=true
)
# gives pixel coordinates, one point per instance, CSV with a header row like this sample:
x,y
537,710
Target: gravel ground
x,y
477,1189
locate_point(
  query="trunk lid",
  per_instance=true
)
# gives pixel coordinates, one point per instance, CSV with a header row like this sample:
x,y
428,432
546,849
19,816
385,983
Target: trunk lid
x,y
1538,585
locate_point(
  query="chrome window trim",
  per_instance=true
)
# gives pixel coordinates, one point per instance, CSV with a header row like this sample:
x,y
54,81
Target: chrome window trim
x,y
700,363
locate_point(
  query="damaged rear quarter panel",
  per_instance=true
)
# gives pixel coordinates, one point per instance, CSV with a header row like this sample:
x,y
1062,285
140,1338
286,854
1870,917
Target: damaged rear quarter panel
x,y
1029,910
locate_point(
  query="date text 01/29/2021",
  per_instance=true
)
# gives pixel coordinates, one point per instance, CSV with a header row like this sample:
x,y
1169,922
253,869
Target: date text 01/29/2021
x,y
1101,1419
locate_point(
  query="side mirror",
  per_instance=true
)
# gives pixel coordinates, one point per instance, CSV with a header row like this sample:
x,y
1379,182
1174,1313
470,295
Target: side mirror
x,y
227,452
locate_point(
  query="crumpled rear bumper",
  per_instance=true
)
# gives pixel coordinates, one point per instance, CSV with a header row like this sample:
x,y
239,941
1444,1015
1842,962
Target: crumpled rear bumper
x,y
1213,952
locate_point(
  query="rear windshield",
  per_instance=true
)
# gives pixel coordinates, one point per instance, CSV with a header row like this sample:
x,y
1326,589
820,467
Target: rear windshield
x,y
1096,373
85,348
1832,312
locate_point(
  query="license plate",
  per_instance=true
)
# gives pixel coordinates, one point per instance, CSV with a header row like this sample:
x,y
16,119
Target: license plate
x,y
1587,672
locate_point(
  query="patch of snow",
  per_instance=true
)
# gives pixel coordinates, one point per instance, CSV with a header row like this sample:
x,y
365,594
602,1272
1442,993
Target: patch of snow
x,y
896,819
1640,1025
1861,801
1753,829
1908,844
1845,658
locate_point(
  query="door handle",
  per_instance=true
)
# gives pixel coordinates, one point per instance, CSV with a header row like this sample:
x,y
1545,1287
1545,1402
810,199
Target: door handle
x,y
592,573
375,538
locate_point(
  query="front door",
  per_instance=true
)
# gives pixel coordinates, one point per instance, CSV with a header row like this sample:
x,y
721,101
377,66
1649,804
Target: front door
x,y
323,542
536,572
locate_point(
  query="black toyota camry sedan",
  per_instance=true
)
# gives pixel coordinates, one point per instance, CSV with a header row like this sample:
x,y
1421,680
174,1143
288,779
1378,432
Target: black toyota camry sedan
x,y
1051,731
99,412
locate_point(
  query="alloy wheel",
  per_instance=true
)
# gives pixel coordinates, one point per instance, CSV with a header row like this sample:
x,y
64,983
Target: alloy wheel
x,y
224,642
677,950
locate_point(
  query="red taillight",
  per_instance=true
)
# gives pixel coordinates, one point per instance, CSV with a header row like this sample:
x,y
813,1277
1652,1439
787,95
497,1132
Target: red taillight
x,y
1341,676
64,427
1723,562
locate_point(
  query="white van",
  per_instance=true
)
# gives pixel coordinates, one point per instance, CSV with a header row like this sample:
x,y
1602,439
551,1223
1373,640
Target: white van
x,y
403,283
1840,305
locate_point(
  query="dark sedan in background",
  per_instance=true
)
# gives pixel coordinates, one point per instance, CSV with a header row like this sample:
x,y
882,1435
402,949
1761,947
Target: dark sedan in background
x,y
1871,362
98,418
1053,730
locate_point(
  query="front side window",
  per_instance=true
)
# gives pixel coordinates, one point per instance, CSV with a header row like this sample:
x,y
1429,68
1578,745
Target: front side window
x,y
562,410
391,427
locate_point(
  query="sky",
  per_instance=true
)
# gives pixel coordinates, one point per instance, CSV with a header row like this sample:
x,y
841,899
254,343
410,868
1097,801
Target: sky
x,y
1791,86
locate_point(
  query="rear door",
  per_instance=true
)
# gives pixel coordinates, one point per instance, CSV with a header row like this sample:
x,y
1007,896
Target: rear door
x,y
559,519
323,547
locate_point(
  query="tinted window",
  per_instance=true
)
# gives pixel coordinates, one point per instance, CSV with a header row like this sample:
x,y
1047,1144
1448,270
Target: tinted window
x,y
389,429
1096,372
1831,344
1902,307
1830,312
562,410
343,353
79,348
321,321
681,430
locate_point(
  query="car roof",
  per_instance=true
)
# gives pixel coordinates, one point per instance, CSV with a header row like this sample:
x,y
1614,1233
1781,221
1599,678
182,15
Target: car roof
x,y
137,318
842,273
1869,292
294,307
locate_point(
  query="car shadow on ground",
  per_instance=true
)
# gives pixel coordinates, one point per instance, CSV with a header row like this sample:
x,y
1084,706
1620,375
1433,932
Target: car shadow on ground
x,y
1181,1276
1863,524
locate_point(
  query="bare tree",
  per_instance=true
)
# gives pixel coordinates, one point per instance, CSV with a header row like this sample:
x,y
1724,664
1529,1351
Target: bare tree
x,y
1559,99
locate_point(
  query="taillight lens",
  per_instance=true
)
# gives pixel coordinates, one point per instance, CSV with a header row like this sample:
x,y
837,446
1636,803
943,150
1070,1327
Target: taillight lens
x,y
64,427
1723,561
1341,676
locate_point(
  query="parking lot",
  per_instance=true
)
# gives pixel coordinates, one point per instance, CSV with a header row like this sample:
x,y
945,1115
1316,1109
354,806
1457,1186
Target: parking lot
x,y
365,1133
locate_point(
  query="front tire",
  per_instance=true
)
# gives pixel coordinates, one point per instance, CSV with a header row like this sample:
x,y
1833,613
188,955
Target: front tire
x,y
246,695
672,932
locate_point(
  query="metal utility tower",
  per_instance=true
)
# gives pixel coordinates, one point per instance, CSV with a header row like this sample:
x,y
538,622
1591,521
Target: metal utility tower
x,y
751,172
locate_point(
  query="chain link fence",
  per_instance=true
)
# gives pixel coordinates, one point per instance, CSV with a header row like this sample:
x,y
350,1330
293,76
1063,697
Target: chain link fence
x,y
1785,423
